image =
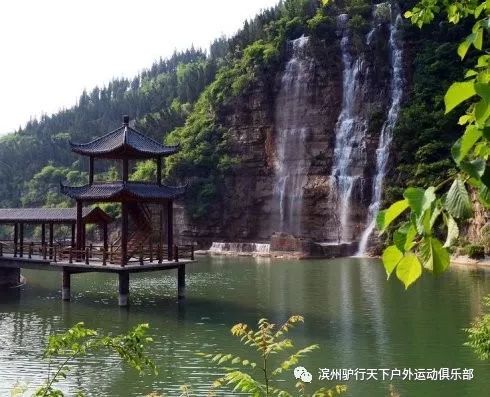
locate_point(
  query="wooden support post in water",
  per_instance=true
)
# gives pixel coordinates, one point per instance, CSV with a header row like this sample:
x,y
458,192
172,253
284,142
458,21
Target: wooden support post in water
x,y
87,256
104,257
21,239
170,228
151,251
51,239
123,288
16,237
45,252
66,285
141,254
181,281
192,251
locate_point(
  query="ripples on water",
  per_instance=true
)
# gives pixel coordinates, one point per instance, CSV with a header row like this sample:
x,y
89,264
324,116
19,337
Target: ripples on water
x,y
356,316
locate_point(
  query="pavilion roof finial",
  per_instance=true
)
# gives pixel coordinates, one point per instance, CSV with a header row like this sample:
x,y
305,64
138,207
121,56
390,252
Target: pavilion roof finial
x,y
126,119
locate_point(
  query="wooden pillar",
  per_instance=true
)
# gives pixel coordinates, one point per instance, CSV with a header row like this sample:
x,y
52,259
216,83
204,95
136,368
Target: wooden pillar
x,y
170,229
43,234
161,235
16,238
123,288
79,229
181,281
125,173
105,236
66,285
21,239
84,235
159,170
73,228
51,240
124,233
91,170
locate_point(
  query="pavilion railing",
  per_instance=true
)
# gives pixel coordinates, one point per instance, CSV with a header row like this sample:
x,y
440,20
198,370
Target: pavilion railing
x,y
97,254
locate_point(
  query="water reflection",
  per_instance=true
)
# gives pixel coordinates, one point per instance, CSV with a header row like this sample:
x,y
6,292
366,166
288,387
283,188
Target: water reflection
x,y
357,317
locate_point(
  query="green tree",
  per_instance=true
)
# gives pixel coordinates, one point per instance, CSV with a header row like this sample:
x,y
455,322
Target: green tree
x,y
416,242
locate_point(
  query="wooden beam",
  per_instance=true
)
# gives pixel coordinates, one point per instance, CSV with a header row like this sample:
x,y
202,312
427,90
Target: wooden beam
x,y
123,288
124,234
105,236
181,281
170,229
43,234
66,285
125,173
51,239
21,238
16,238
73,234
91,170
79,229
159,170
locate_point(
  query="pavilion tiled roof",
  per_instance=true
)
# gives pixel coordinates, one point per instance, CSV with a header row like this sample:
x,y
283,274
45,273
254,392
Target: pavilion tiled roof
x,y
124,141
55,215
118,190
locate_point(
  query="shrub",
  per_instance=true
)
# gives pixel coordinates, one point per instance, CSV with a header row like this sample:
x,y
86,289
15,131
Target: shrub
x,y
476,251
485,237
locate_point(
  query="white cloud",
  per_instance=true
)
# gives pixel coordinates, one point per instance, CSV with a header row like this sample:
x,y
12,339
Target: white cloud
x,y
52,49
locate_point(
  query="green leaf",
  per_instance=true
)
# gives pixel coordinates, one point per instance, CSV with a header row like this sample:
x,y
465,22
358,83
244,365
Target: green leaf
x,y
458,202
463,145
434,256
419,199
391,257
452,230
409,269
478,40
458,93
386,217
423,223
482,112
465,45
485,178
485,196
474,168
483,90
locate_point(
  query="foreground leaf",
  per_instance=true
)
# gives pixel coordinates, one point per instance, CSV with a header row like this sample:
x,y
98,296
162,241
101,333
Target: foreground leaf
x,y
434,255
409,269
386,217
458,93
391,257
458,202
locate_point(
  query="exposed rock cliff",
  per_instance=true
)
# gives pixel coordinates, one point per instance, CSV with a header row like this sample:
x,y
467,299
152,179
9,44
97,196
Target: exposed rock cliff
x,y
250,210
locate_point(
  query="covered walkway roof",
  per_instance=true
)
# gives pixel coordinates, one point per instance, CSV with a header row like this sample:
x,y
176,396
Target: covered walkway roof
x,y
53,215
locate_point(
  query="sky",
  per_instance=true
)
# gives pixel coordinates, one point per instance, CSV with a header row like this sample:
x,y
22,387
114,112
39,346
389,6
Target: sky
x,y
51,50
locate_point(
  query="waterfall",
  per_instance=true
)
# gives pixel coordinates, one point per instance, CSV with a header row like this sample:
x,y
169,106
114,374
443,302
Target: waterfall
x,y
350,131
291,134
239,248
383,150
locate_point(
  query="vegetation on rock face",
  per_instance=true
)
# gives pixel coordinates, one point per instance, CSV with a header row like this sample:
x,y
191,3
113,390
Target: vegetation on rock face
x,y
416,243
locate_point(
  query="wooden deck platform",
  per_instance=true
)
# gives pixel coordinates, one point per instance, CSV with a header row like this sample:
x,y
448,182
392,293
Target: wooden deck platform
x,y
37,262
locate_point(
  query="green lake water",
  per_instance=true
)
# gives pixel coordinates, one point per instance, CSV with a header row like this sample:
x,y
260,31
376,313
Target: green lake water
x,y
359,319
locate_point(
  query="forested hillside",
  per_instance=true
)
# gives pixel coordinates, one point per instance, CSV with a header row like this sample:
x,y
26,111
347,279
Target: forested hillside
x,y
185,99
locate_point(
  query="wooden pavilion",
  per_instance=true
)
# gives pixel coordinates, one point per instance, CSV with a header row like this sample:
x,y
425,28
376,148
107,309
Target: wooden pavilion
x,y
146,241
146,207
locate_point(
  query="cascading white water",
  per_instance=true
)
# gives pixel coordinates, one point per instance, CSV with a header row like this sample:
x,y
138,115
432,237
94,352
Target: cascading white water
x,y
239,248
383,150
350,131
291,135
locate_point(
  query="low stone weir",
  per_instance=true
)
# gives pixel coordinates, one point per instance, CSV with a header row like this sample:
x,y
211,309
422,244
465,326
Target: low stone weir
x,y
240,249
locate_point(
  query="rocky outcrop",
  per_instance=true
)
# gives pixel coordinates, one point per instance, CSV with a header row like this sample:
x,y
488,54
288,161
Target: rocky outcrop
x,y
250,210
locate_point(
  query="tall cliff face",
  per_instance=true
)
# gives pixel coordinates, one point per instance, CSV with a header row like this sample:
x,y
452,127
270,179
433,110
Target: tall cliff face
x,y
284,130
